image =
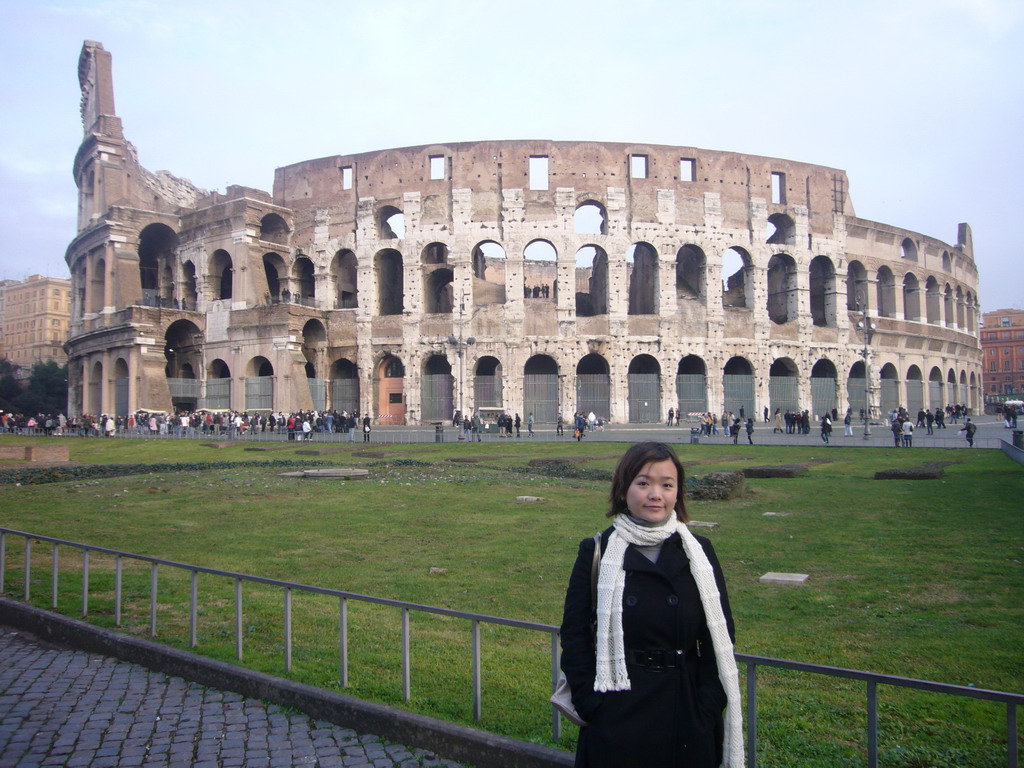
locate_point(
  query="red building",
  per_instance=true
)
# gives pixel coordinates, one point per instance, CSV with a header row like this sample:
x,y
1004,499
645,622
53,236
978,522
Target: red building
x,y
1002,342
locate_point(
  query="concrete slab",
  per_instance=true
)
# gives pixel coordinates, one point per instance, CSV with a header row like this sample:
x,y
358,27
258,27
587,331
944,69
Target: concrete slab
x,y
783,578
334,473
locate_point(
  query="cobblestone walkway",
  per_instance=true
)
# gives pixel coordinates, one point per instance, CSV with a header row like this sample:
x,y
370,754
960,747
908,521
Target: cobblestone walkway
x,y
63,707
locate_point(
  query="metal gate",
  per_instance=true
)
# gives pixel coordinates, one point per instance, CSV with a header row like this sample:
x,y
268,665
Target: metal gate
x,y
121,397
935,394
218,394
823,395
318,391
345,395
437,397
540,397
692,392
783,394
487,391
739,393
644,398
855,395
890,395
259,393
594,393
915,397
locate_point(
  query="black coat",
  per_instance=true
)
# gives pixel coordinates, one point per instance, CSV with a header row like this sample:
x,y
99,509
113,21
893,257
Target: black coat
x,y
670,717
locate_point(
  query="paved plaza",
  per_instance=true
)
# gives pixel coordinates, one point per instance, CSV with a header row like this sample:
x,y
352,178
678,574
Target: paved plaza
x,y
62,707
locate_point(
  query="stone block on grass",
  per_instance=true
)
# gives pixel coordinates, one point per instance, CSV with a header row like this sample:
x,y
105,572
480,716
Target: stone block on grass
x,y
778,470
717,486
773,577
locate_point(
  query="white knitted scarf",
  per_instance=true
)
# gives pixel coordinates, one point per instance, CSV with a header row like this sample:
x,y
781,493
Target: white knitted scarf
x,y
611,654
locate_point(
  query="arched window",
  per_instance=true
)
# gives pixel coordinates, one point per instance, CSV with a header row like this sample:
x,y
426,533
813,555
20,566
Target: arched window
x,y
642,270
590,218
390,282
591,281
390,223
644,385
822,279
886,293
540,274
782,288
488,273
343,268
737,278
594,386
691,273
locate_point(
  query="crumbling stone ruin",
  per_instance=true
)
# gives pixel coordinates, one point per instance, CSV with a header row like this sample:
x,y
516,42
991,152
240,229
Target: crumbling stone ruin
x,y
534,277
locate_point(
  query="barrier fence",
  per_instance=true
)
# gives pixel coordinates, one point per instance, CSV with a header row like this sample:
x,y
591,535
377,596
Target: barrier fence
x,y
475,620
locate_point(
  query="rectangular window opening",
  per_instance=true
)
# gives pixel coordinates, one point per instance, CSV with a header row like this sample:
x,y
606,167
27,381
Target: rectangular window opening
x,y
538,172
688,169
346,177
437,167
638,166
778,187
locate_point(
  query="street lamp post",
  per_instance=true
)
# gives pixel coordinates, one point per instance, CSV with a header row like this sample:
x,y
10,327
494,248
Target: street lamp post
x,y
460,349
868,329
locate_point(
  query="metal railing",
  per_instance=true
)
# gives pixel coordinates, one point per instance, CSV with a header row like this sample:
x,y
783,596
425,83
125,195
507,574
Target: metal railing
x,y
872,680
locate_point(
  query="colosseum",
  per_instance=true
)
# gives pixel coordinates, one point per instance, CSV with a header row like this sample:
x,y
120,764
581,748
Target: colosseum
x,y
526,276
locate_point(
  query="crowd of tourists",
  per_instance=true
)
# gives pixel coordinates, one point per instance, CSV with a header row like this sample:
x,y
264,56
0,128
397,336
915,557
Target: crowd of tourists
x,y
301,425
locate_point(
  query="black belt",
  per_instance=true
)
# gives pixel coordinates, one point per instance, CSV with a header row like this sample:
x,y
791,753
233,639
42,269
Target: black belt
x,y
660,658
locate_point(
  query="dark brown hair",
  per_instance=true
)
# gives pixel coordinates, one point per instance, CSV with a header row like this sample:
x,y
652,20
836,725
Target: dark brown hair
x,y
635,459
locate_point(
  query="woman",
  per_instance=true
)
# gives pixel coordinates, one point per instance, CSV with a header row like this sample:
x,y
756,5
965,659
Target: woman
x,y
655,684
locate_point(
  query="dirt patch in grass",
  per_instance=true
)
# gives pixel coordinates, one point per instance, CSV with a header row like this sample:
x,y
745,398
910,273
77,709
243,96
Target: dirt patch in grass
x,y
775,470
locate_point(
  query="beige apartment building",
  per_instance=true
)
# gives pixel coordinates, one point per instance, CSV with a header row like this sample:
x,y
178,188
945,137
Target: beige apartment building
x,y
35,316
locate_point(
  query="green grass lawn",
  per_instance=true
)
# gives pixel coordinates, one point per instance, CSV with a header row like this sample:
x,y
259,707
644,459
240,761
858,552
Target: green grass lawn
x,y
913,578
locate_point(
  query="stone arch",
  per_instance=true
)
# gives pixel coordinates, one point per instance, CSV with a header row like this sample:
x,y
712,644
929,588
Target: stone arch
x,y
390,223
936,385
189,286
886,293
961,315
220,276
822,280
908,249
540,388
540,272
437,389
274,229
948,307
259,366
889,380
915,390
933,301
738,386
97,286
590,218
183,347
438,291
911,297
273,269
691,273
314,349
824,388
488,259
345,386
390,282
218,369
692,385
218,385
344,268
121,384
438,280
158,244
856,389
784,385
594,386
781,230
259,384
737,278
304,281
591,281
856,287
782,301
642,271
487,383
95,394
644,390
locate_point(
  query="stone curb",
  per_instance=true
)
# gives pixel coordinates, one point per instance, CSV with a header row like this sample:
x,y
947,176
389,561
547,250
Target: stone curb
x,y
456,742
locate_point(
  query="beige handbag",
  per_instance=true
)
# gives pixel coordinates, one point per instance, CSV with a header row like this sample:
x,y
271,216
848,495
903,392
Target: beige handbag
x,y
561,699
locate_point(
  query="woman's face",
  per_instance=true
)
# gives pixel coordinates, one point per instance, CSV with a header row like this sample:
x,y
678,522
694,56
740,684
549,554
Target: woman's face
x,y
652,494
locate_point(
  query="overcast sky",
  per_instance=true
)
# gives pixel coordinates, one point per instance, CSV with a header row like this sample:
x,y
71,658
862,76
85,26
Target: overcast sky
x,y
920,101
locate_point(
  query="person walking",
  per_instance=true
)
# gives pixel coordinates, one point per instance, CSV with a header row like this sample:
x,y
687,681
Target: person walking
x,y
750,431
826,429
969,428
529,425
366,428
